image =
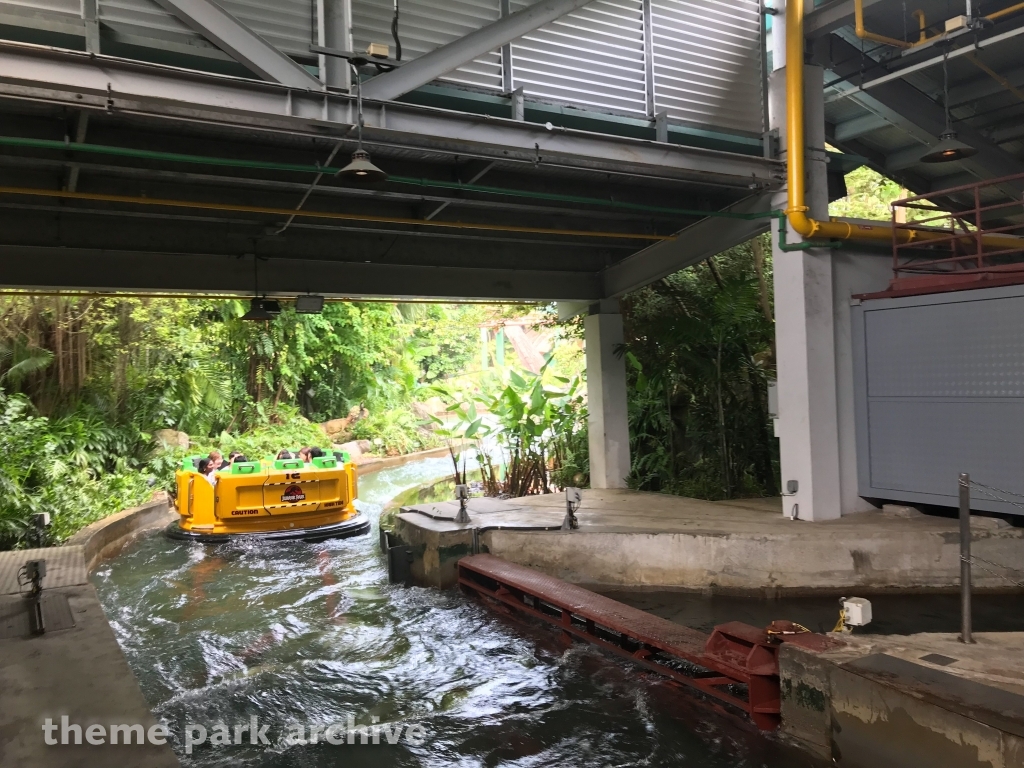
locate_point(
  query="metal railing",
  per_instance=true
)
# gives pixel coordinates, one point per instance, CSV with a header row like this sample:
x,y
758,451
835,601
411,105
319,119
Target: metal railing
x,y
967,561
992,207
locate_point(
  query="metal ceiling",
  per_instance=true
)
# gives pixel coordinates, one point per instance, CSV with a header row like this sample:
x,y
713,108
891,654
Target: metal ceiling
x,y
893,124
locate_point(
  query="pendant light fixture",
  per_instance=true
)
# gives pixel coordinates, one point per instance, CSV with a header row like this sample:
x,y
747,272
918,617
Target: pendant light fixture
x,y
360,169
256,308
949,148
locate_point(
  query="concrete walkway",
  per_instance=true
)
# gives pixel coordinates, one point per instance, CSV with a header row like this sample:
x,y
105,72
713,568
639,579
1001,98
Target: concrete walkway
x,y
78,672
633,539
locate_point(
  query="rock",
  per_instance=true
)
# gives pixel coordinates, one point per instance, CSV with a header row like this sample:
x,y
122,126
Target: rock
x,y
356,448
166,439
351,448
988,523
433,406
900,510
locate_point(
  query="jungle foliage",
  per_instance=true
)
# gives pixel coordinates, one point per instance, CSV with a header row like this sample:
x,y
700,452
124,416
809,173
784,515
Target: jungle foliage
x,y
529,430
699,347
85,382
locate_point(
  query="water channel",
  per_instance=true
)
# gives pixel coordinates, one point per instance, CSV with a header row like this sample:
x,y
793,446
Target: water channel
x,y
313,633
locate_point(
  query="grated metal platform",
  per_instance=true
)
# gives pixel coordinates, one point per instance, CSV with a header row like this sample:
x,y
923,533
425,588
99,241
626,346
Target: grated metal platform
x,y
65,567
737,665
15,615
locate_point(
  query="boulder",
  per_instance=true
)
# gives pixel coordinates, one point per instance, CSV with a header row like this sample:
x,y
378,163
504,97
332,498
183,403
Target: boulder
x,y
356,448
167,439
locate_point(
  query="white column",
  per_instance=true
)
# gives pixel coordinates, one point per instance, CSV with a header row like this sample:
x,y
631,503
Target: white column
x,y
608,424
804,327
337,31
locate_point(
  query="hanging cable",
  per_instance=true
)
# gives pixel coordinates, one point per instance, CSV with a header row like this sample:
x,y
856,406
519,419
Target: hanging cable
x,y
394,34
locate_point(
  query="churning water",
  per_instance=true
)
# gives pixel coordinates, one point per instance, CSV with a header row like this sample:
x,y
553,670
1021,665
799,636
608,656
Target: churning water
x,y
312,633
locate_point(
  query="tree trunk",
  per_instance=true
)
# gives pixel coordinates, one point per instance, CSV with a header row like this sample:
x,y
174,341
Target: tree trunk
x,y
723,443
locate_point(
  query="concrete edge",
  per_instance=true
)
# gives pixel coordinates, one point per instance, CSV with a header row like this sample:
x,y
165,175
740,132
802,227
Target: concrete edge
x,y
375,464
106,538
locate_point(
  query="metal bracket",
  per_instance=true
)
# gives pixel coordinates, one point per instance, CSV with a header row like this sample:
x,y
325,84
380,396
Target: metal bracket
x,y
359,59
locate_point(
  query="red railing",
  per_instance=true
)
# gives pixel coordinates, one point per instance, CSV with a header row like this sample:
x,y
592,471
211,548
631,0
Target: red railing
x,y
959,236
736,667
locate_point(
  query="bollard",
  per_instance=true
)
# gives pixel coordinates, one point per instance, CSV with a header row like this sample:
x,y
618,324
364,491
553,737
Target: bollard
x,y
462,494
965,558
573,499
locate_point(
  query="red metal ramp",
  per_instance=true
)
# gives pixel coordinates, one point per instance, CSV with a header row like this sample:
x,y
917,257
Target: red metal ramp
x,y
737,664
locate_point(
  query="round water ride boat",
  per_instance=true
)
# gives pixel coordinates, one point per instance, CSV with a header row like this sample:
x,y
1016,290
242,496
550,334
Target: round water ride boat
x,y
268,499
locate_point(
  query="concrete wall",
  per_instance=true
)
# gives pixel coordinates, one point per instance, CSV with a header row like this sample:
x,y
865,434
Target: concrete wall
x,y
860,722
768,563
107,537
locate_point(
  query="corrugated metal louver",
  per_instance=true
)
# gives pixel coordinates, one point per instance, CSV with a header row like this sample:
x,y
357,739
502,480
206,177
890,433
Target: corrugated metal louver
x,y
285,24
63,7
146,19
593,58
427,24
707,62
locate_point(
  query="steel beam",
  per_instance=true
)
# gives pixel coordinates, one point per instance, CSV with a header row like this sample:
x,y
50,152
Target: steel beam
x,y
859,126
707,237
909,109
241,43
43,267
984,86
831,16
112,85
904,158
439,61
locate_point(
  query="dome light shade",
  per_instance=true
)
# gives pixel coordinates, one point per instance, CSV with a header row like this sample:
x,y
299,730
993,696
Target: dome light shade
x,y
257,312
948,149
361,169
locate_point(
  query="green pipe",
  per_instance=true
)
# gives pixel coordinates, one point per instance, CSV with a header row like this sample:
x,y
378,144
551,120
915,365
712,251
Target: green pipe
x,y
39,143
145,154
807,244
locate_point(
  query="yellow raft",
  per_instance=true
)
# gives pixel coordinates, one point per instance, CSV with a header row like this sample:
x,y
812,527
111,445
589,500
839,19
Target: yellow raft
x,y
269,499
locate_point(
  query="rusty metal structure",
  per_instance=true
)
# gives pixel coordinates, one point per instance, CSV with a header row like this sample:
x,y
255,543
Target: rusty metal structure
x,y
737,665
970,214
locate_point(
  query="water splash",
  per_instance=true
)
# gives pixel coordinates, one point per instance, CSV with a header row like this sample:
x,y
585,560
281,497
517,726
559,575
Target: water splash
x,y
290,631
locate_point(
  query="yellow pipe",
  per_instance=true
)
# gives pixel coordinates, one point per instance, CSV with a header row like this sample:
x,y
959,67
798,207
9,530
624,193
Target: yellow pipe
x,y
321,214
796,210
1005,12
922,23
996,76
862,33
